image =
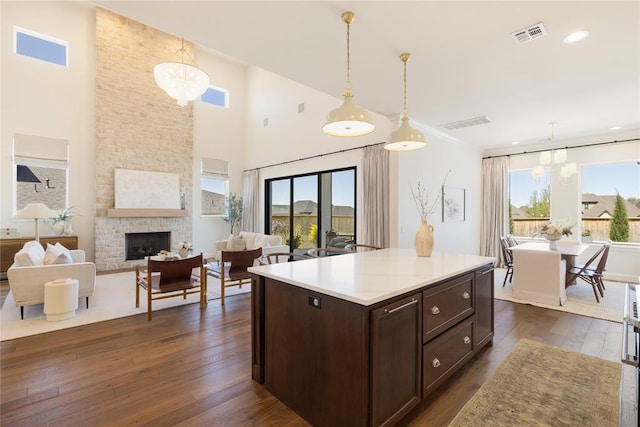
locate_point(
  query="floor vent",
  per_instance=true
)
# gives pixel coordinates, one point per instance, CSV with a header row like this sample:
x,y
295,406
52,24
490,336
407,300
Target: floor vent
x,y
466,123
528,34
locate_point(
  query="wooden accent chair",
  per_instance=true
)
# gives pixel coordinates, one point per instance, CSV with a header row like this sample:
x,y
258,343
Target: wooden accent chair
x,y
274,258
171,278
232,268
591,272
508,259
358,247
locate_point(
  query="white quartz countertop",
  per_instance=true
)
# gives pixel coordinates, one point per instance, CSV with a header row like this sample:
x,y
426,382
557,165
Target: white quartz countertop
x,y
369,277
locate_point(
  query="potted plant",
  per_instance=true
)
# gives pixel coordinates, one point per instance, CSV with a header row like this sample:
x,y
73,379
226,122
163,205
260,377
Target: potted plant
x,y
62,221
234,210
586,236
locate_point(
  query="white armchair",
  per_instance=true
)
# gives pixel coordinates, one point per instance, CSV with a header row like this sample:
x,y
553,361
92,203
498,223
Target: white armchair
x,y
27,282
539,276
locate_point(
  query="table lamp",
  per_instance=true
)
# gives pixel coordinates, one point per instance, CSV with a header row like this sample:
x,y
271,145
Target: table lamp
x,y
36,211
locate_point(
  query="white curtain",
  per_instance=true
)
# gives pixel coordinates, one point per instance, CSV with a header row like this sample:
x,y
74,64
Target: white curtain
x,y
495,206
250,199
375,187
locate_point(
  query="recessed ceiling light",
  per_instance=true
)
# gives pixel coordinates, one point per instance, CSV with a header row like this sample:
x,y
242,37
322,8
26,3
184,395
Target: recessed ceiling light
x,y
515,142
615,128
576,36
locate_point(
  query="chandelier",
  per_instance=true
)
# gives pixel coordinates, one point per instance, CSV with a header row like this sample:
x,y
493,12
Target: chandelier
x,y
348,119
405,138
181,81
554,158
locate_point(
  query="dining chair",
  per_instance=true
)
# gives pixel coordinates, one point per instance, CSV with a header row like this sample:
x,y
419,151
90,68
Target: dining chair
x,y
359,247
328,251
508,260
591,272
171,278
276,257
232,268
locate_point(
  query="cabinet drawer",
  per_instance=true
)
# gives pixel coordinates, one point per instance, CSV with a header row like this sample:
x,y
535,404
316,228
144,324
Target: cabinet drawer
x,y
446,305
442,356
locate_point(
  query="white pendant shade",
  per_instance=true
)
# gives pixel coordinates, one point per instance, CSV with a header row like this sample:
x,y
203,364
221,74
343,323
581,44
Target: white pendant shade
x,y
181,81
405,138
559,156
545,158
537,172
348,120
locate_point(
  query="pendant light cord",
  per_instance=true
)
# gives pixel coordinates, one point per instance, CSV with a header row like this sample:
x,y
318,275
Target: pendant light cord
x,y
404,111
347,84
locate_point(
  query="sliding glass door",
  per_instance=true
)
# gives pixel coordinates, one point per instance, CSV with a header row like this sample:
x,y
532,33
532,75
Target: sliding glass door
x,y
312,210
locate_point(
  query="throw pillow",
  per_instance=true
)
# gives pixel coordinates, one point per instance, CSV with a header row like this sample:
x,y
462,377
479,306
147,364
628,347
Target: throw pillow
x,y
236,244
22,258
274,239
66,252
260,242
55,255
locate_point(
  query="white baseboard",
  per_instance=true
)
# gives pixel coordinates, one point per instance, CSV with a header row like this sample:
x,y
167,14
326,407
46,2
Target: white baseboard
x,y
627,278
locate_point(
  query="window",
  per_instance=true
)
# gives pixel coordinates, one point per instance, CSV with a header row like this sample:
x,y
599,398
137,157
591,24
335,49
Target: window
x,y
39,46
313,210
529,202
601,184
214,186
216,96
40,166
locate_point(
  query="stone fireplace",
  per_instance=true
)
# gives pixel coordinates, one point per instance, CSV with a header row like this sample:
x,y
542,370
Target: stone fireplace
x,y
138,127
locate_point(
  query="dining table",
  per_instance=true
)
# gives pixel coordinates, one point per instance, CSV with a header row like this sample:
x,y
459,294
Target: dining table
x,y
569,250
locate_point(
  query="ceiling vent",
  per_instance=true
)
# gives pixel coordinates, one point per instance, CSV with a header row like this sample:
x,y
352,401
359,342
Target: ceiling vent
x,y
466,123
528,34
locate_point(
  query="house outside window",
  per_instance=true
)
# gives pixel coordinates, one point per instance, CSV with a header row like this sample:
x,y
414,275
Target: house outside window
x,y
214,187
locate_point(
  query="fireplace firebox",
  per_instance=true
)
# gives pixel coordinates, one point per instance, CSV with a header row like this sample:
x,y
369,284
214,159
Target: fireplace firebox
x,y
140,245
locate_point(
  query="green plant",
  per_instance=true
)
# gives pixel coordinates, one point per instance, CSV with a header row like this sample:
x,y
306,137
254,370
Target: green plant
x,y
63,215
297,238
619,222
234,210
586,233
313,233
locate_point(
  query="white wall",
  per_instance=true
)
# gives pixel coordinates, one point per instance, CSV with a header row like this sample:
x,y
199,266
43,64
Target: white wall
x,y
218,133
43,99
429,166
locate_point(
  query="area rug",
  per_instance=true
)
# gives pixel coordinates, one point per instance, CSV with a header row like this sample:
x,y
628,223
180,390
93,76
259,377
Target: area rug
x,y
580,299
114,297
542,385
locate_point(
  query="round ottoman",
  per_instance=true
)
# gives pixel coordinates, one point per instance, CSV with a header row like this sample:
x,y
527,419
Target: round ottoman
x,y
60,299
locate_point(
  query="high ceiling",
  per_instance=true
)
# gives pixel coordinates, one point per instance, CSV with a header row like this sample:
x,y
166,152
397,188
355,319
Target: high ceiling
x,y
465,62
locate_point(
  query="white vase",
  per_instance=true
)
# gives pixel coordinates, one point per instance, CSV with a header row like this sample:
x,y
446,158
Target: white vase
x,y
553,242
423,241
68,229
183,253
58,228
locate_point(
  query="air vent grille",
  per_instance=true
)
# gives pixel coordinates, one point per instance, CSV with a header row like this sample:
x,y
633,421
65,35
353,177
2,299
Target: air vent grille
x,y
530,33
466,123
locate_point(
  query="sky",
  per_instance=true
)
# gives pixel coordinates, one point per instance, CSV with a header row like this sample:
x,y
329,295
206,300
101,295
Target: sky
x,y
602,179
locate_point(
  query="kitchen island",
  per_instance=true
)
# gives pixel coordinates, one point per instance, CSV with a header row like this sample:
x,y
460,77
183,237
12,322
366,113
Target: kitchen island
x,y
360,339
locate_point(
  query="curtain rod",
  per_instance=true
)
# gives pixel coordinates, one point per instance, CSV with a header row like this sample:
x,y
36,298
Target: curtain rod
x,y
567,147
313,157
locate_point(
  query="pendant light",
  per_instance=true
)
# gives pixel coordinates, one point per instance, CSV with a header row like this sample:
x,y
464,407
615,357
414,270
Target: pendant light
x,y
405,138
554,157
181,81
348,119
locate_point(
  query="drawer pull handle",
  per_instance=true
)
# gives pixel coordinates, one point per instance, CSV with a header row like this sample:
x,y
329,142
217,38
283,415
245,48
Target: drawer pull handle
x,y
435,310
487,271
435,362
466,295
466,340
406,304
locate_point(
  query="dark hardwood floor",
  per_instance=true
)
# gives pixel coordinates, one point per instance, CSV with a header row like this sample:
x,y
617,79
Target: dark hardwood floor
x,y
190,367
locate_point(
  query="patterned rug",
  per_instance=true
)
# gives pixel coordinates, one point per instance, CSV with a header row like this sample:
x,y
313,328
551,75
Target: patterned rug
x,y
542,385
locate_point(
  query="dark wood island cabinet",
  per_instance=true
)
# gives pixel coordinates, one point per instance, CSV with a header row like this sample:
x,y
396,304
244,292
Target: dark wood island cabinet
x,y
361,339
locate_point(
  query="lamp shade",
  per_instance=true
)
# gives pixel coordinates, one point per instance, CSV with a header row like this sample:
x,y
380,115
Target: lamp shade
x,y
405,138
34,211
348,120
545,158
181,81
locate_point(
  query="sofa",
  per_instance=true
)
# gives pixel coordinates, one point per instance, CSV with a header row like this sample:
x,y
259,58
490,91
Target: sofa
x,y
247,240
33,267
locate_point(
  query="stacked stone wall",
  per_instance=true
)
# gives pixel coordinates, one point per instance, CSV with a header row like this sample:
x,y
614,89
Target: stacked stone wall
x,y
138,126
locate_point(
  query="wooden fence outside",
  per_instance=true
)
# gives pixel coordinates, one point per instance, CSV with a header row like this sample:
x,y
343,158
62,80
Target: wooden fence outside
x,y
599,227
341,224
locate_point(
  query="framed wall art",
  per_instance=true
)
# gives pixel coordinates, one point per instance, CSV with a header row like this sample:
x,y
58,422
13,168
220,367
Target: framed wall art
x,y
453,204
